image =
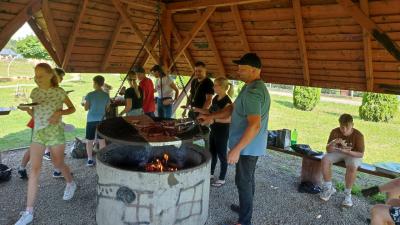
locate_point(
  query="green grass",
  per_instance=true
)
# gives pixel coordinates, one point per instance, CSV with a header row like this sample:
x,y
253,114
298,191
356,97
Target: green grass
x,y
19,67
381,139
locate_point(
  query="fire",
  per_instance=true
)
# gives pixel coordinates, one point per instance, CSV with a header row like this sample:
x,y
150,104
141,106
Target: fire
x,y
160,165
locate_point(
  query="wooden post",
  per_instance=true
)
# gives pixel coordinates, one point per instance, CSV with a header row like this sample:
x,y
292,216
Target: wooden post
x,y
311,170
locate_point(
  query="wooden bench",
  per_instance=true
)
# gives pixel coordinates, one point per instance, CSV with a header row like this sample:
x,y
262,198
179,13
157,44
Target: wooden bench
x,y
311,166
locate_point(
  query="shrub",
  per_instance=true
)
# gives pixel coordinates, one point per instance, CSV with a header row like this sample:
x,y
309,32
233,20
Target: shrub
x,y
378,107
306,98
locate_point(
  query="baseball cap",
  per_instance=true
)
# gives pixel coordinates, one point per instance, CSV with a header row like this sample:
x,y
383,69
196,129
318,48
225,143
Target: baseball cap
x,y
138,69
249,59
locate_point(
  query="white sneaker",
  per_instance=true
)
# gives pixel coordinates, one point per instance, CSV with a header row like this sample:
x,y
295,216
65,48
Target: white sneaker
x,y
347,202
327,193
69,191
26,218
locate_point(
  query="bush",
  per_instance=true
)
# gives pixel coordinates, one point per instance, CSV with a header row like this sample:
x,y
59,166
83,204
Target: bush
x,y
378,107
306,98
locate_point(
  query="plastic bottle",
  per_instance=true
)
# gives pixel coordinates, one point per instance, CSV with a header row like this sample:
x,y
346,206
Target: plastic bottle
x,y
293,137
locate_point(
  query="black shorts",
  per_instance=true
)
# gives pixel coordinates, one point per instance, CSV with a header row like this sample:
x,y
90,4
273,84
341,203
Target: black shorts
x,y
395,214
91,130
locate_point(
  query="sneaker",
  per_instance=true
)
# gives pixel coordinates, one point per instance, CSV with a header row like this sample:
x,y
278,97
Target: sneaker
x,y
327,193
235,208
46,156
57,174
90,163
347,202
69,191
22,174
26,218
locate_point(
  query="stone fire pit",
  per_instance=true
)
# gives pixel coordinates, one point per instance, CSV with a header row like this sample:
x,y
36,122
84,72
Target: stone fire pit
x,y
128,195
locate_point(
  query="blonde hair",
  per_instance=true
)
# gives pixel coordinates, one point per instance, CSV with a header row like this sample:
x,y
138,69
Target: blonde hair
x,y
47,68
226,85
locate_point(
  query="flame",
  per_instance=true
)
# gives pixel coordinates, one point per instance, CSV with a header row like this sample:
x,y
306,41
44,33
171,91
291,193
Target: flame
x,y
158,165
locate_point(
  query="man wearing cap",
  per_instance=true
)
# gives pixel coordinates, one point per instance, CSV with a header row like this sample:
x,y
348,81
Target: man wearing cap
x,y
247,132
147,90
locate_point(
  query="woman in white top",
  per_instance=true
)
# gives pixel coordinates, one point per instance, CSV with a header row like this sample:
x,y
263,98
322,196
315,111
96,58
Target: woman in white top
x,y
165,87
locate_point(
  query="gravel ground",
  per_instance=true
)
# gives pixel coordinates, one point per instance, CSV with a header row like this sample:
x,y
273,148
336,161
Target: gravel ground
x,y
276,200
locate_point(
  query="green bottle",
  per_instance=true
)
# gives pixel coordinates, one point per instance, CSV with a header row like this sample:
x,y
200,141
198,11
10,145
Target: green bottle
x,y
293,137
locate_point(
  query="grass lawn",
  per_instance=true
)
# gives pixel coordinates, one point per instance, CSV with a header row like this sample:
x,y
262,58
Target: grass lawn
x,y
382,139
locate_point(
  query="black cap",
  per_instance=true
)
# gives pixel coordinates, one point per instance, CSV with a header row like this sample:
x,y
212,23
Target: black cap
x,y
250,59
138,69
157,68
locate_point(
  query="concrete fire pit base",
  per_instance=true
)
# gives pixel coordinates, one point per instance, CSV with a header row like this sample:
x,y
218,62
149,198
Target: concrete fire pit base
x,y
135,198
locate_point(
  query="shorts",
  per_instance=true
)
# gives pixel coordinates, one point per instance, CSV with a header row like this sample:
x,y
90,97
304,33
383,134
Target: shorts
x,y
51,135
395,214
335,157
91,130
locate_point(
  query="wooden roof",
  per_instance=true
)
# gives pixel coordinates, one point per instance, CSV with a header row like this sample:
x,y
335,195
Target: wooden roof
x,y
322,43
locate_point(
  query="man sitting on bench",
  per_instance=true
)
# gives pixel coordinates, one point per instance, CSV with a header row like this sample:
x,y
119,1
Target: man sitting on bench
x,y
345,144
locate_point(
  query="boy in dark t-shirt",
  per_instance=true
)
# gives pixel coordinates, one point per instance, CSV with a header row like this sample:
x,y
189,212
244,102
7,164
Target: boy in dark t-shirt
x,y
201,90
345,143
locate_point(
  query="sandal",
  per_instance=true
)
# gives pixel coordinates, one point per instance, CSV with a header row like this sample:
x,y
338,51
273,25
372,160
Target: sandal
x,y
218,183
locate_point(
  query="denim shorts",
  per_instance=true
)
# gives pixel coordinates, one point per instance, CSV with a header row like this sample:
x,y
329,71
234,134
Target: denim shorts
x,y
395,214
51,135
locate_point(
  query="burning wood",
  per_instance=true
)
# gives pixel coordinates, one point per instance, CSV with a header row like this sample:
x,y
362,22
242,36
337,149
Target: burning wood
x,y
160,165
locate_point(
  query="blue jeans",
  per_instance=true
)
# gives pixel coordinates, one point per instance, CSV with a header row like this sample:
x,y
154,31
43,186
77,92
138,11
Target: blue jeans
x,y
164,111
245,183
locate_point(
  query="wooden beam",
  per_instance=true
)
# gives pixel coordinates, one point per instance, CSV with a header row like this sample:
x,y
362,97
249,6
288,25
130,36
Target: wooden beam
x,y
112,43
196,28
55,38
166,26
302,42
122,11
186,53
43,39
214,48
75,30
198,4
369,71
239,26
147,4
153,44
358,15
23,16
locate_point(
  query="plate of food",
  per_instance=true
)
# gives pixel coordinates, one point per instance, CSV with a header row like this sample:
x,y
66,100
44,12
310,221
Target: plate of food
x,y
28,105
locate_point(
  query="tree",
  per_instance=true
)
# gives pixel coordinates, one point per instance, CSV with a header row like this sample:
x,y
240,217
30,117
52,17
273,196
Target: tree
x,y
306,98
30,47
378,107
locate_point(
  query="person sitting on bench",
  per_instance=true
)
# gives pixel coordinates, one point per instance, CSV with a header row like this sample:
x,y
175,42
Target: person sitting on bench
x,y
346,144
389,213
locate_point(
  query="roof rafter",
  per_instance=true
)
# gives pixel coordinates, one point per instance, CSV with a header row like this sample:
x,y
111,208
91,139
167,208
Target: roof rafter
x,y
43,39
358,15
112,43
23,16
153,44
369,71
196,28
166,32
214,48
186,53
198,4
122,11
55,38
302,42
75,30
239,26
147,4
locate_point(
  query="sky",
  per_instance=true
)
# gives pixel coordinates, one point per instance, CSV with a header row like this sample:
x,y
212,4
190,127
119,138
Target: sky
x,y
22,32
